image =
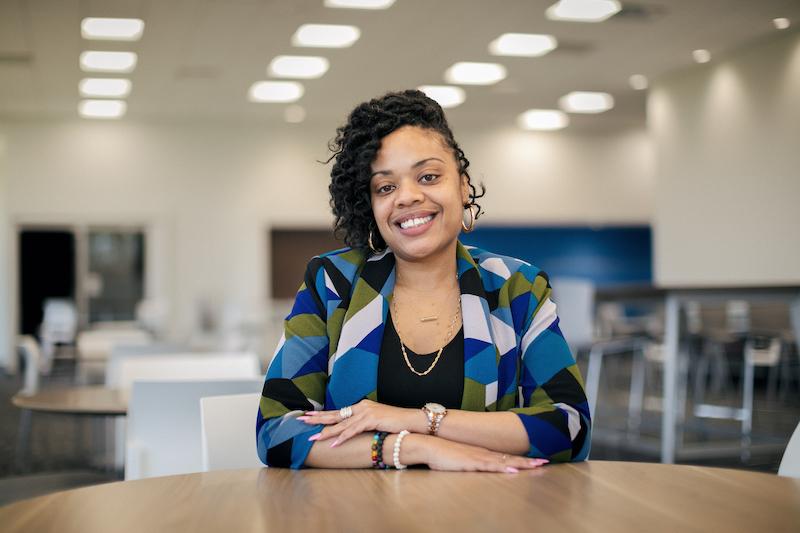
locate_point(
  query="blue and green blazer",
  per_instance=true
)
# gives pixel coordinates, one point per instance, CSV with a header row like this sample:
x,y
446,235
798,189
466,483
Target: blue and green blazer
x,y
515,357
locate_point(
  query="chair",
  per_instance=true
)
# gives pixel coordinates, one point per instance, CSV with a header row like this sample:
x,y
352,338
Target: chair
x,y
123,351
228,436
790,464
95,346
33,360
59,324
164,432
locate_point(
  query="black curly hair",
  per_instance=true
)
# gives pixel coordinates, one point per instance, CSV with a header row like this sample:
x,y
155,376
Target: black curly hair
x,y
355,147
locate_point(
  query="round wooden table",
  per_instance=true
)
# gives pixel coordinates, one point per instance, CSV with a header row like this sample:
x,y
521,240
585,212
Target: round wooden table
x,y
592,496
88,400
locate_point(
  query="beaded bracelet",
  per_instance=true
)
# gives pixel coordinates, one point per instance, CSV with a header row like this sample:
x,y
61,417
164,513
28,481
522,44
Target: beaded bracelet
x,y
377,450
396,455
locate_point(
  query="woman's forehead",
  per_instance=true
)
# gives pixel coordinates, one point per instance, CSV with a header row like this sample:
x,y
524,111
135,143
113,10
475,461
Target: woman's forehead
x,y
408,145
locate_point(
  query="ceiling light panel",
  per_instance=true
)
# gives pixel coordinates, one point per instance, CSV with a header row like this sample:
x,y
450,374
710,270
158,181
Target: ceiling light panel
x,y
446,96
469,73
111,29
294,114
583,10
302,67
586,102
94,61
276,91
543,120
360,4
781,23
102,108
104,87
326,35
522,44
638,82
701,55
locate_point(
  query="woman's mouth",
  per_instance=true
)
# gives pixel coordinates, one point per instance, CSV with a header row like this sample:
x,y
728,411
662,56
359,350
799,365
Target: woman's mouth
x,y
416,226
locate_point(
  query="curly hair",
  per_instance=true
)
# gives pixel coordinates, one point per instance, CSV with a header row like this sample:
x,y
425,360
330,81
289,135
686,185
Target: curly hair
x,y
355,147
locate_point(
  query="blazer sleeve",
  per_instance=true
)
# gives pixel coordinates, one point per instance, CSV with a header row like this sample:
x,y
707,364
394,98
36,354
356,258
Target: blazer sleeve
x,y
554,409
297,376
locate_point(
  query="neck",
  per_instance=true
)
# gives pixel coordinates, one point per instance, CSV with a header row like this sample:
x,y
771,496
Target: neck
x,y
434,273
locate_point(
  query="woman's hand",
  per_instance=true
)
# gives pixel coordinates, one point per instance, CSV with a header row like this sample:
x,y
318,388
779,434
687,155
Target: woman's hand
x,y
442,454
367,416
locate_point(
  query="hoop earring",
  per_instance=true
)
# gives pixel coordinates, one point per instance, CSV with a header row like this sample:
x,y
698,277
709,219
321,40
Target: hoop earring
x,y
471,226
369,242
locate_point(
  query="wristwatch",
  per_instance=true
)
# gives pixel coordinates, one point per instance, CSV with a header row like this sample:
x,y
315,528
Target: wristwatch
x,y
435,413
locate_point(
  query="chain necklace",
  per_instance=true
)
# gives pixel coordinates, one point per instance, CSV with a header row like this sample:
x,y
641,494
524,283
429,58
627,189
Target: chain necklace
x,y
439,354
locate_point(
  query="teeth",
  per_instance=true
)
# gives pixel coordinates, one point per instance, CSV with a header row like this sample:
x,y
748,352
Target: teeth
x,y
414,222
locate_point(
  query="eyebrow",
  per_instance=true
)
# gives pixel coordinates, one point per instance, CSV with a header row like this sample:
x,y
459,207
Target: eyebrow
x,y
415,165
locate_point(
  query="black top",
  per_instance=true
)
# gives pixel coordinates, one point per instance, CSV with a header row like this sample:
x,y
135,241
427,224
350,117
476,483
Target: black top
x,y
399,386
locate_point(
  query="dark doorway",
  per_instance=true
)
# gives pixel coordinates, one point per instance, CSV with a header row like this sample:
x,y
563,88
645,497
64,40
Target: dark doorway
x,y
46,270
290,250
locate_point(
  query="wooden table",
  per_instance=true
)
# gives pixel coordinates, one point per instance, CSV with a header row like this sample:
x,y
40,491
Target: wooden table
x,y
593,496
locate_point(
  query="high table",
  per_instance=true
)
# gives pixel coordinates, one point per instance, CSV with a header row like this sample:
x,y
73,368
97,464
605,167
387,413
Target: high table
x,y
592,496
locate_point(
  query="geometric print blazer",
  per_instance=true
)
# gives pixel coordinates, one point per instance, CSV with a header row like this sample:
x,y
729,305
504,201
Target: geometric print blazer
x,y
515,357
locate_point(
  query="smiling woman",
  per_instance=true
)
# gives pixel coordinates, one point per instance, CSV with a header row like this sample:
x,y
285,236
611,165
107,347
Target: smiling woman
x,y
408,347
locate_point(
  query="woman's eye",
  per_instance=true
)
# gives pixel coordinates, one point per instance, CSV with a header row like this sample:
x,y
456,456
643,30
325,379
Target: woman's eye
x,y
384,189
427,178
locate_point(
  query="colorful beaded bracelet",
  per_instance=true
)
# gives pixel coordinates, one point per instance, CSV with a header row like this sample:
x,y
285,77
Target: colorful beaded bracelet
x,y
377,450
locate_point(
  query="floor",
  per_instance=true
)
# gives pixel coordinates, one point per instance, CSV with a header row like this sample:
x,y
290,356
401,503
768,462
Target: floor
x,y
60,451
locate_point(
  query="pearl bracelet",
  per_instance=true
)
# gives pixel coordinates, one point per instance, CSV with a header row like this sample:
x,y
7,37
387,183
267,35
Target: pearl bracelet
x,y
396,453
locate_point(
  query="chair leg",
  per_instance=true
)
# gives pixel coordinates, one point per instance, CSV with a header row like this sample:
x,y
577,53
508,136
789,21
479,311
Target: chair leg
x,y
636,395
593,379
747,407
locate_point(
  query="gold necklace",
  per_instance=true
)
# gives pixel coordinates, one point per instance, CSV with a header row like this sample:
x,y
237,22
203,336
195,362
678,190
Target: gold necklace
x,y
439,354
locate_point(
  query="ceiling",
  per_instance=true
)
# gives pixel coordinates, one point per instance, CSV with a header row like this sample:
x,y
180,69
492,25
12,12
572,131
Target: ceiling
x,y
198,58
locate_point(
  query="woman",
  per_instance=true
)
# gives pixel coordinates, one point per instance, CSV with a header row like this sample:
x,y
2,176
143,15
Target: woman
x,y
408,347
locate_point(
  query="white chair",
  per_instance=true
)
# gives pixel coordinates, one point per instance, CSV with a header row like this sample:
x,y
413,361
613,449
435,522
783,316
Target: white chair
x,y
186,367
95,347
59,324
124,351
790,464
228,431
163,432
30,352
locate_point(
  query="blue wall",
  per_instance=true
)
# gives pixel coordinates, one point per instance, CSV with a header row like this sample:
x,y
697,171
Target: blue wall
x,y
608,256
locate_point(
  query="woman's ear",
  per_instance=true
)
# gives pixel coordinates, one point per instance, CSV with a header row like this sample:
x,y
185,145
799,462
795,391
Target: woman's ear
x,y
464,189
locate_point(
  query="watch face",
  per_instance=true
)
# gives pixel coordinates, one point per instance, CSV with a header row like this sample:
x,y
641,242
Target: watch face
x,y
435,408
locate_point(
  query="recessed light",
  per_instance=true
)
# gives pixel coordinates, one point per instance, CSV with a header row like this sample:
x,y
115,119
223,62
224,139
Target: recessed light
x,y
586,102
303,67
326,35
469,73
522,44
638,82
583,10
94,61
543,120
275,91
701,55
102,108
294,114
110,29
104,87
446,96
781,23
360,4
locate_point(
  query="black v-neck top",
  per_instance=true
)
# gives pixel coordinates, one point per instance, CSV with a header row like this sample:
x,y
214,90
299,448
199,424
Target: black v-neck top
x,y
399,386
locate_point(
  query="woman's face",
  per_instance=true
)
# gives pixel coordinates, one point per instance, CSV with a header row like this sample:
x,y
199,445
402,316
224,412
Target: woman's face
x,y
417,193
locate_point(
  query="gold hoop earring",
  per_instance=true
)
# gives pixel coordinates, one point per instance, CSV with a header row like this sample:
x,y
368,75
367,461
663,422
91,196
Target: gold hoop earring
x,y
369,242
471,226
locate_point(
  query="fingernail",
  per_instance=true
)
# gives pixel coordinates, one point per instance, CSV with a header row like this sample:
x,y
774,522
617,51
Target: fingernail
x,y
316,436
542,461
334,444
511,470
311,412
303,418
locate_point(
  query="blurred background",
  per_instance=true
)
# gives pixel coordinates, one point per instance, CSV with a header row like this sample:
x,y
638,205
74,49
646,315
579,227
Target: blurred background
x,y
162,186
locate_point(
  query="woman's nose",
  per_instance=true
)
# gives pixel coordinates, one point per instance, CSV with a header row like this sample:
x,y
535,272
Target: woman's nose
x,y
409,192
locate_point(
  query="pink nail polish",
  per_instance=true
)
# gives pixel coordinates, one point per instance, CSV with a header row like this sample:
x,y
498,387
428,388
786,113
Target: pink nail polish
x,y
303,418
315,437
334,444
511,470
542,461
311,412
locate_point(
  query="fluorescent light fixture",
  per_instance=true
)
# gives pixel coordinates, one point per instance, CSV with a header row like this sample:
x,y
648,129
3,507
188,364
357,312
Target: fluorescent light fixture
x,y
468,73
586,102
701,55
781,23
93,61
302,67
522,44
326,35
583,10
543,120
108,29
294,114
446,95
102,108
276,91
638,82
360,4
104,87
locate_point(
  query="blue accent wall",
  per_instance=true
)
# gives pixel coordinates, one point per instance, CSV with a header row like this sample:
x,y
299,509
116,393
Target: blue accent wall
x,y
619,255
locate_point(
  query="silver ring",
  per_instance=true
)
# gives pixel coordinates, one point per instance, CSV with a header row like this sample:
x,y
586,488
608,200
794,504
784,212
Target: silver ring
x,y
346,412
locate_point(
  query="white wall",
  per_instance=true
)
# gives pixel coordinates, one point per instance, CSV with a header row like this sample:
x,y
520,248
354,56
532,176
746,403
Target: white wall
x,y
209,192
727,141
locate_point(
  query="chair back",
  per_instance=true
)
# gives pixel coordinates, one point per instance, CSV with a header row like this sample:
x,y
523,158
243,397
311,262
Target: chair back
x,y
96,345
30,352
124,351
228,431
186,367
790,464
59,321
164,434
574,298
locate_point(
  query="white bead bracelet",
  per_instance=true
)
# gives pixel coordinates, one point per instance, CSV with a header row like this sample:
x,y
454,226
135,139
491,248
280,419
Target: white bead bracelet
x,y
396,453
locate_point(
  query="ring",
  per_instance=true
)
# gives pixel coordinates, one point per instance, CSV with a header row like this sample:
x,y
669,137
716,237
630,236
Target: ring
x,y
346,412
